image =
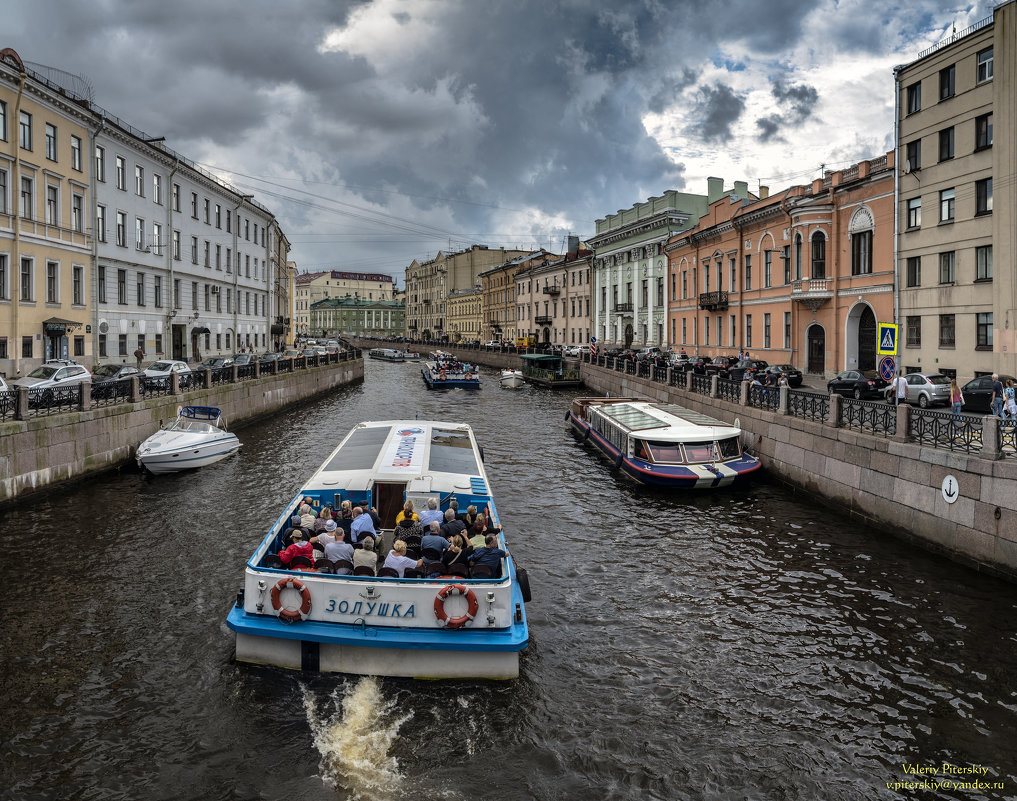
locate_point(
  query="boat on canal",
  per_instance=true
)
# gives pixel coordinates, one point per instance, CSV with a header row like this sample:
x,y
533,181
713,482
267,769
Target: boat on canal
x,y
198,437
445,371
410,356
451,626
386,355
549,370
511,379
663,445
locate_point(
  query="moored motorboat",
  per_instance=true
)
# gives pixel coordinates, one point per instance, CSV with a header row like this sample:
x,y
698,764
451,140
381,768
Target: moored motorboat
x,y
661,444
452,626
511,379
198,437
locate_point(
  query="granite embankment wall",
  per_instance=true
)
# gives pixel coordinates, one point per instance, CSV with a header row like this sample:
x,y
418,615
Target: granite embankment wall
x,y
893,485
43,451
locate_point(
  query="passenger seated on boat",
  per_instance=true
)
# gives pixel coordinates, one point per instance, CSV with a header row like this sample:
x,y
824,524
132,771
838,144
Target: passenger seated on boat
x,y
362,525
364,556
470,517
333,542
453,525
407,527
398,560
346,510
407,512
433,547
431,513
324,516
489,556
457,555
306,517
478,533
299,547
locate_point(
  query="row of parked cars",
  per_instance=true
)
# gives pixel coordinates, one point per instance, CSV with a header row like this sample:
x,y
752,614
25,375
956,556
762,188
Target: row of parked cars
x,y
923,389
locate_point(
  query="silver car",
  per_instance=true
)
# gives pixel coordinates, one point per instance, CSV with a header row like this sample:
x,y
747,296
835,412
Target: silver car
x,y
53,375
925,389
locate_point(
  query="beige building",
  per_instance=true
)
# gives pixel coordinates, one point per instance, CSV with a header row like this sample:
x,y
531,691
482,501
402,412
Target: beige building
x,y
956,241
498,296
464,314
314,287
553,299
429,283
45,197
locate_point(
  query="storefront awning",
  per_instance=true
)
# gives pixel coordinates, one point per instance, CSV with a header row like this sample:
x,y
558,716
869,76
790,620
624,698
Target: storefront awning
x,y
200,329
56,325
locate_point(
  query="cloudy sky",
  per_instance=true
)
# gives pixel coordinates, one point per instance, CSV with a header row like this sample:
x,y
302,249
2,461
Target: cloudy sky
x,y
387,130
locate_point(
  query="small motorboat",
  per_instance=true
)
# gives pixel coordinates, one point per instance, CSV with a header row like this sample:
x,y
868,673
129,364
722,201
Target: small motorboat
x,y
197,437
511,379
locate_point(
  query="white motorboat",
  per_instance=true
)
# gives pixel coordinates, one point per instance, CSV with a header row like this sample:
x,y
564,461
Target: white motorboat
x,y
197,437
511,379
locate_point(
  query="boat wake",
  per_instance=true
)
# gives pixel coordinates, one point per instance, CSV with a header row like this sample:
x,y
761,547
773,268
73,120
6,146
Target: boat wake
x,y
355,737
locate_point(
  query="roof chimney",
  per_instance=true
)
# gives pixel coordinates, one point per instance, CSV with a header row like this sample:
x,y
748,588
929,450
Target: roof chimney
x,y
573,246
741,189
714,189
764,192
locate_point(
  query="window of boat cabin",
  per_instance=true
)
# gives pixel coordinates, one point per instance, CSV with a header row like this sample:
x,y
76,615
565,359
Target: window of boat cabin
x,y
729,448
701,451
660,452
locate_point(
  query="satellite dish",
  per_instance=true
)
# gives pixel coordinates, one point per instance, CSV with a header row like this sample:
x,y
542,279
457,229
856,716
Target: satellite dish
x,y
907,166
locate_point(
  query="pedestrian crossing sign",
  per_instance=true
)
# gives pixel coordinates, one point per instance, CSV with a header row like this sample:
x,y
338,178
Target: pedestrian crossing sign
x,y
886,345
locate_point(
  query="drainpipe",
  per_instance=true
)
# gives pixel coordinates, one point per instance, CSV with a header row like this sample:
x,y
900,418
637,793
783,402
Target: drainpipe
x,y
170,313
16,197
94,256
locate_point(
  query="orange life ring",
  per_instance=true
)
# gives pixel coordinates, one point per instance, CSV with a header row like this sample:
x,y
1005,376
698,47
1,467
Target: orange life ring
x,y
462,620
291,615
468,377
441,376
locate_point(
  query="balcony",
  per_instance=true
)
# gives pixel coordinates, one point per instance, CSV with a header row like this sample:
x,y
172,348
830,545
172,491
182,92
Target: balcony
x,y
812,292
552,290
713,301
623,308
542,320
426,301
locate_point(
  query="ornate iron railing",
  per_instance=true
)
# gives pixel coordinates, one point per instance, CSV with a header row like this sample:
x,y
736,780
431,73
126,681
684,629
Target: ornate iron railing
x,y
941,430
875,417
700,384
1007,439
222,375
764,397
630,367
245,371
110,393
729,390
808,405
8,403
44,402
679,378
155,387
660,375
643,369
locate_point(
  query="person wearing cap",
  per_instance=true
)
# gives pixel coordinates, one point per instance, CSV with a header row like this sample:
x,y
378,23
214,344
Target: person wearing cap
x,y
299,547
364,556
333,539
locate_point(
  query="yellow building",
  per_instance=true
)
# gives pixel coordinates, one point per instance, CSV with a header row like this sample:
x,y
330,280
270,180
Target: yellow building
x,y
45,282
498,296
464,314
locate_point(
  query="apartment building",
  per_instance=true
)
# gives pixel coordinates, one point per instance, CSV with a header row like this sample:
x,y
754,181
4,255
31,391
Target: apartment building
x,y
956,236
498,296
464,317
553,299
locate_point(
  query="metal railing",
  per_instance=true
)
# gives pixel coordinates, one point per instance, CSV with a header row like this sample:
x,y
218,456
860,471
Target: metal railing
x,y
680,378
110,393
44,402
659,375
808,405
8,404
221,375
941,430
700,384
764,397
875,417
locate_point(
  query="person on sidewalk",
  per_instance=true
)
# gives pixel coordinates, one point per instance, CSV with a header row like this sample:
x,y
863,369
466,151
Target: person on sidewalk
x,y
139,355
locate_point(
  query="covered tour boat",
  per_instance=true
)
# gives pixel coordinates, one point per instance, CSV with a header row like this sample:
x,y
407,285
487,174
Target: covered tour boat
x,y
198,437
662,444
445,371
549,370
327,619
386,355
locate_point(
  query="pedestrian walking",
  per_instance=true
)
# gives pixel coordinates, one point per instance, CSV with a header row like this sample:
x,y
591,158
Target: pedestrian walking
x,y
139,355
956,400
997,396
901,387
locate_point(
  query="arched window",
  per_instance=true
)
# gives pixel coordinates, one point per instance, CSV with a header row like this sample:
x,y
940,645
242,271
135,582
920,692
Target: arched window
x,y
819,255
860,229
798,257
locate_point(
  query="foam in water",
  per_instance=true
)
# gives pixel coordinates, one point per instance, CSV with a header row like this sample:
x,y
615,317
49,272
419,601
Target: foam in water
x,y
355,738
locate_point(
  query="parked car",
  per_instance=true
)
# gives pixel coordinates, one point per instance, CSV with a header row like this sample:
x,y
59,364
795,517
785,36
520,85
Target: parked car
x,y
244,358
745,369
4,386
720,364
166,367
575,351
648,353
695,364
793,374
978,393
213,362
925,389
106,376
492,343
289,354
858,384
53,375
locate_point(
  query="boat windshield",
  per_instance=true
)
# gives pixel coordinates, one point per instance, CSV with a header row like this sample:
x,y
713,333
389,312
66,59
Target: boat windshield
x,y
193,426
729,448
701,451
659,452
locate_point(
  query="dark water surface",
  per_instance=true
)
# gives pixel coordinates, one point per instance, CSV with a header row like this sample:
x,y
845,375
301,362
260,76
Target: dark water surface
x,y
749,644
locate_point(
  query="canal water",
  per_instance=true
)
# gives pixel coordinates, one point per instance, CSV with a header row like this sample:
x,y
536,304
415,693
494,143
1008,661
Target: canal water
x,y
750,644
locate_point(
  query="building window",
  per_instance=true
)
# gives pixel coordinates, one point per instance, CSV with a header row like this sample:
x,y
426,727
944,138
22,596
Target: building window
x,y
176,293
139,180
100,163
218,216
157,239
76,153
194,205
122,287
914,212
194,295
946,267
767,268
946,201
748,272
52,206
122,228
139,233
947,332
748,330
122,345
983,196
102,284
26,347
946,82
798,257
158,344
27,198
5,293
79,346
27,279
984,72
100,223
194,250
77,213
52,282
3,124
157,291
983,263
766,330
25,130
913,154
206,207
913,331
176,246
946,144
3,191
157,188
983,331
786,258
51,142
914,271
176,197
914,98
861,253
140,289
983,131
787,329
208,297
819,256
121,173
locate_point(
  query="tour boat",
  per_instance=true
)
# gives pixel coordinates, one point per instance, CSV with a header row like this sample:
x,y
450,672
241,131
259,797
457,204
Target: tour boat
x,y
410,356
511,379
198,437
662,444
447,627
386,354
444,371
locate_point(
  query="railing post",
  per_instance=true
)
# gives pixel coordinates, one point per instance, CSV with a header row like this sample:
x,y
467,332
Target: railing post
x,y
236,370
135,389
84,396
991,438
834,419
713,385
783,401
667,376
743,392
208,378
174,383
21,404
903,422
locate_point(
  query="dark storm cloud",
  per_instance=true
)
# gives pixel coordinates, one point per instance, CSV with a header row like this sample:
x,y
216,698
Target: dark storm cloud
x,y
796,103
718,108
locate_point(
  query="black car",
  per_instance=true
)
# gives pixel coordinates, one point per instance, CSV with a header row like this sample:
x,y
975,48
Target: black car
x,y
792,373
696,364
858,384
978,393
720,364
106,376
746,368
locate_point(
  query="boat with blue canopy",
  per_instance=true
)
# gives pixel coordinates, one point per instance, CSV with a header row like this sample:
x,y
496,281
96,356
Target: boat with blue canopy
x,y
197,437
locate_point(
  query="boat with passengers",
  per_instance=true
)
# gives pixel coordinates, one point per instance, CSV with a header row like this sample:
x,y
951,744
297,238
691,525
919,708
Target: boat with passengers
x,y
661,444
327,619
445,371
386,355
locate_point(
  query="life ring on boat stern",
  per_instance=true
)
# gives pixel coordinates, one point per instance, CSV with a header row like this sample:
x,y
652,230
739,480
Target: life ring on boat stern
x,y
442,375
462,620
291,615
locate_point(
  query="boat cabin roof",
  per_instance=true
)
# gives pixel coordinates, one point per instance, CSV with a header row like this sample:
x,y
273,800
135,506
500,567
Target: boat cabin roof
x,y
648,420
540,357
427,456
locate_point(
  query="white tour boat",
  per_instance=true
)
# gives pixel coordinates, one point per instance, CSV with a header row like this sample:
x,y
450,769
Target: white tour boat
x,y
511,379
198,437
326,619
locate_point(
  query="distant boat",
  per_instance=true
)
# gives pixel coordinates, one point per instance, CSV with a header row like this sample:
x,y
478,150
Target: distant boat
x,y
411,356
511,379
444,371
386,354
198,437
549,370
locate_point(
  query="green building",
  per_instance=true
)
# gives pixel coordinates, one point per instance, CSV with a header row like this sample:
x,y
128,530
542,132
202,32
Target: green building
x,y
355,317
